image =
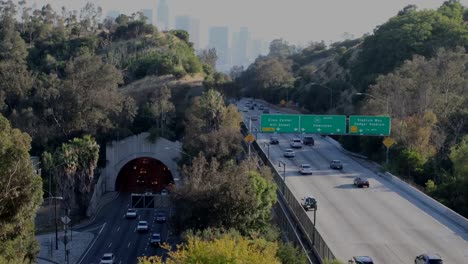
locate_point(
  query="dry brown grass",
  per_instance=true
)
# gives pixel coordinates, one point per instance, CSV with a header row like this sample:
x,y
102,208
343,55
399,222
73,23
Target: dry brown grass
x,y
140,90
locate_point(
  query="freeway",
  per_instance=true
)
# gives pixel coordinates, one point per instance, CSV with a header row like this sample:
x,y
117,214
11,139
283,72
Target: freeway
x,y
382,221
116,234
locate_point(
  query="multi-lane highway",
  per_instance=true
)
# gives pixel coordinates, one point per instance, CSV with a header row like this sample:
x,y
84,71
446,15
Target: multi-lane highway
x,y
381,221
116,234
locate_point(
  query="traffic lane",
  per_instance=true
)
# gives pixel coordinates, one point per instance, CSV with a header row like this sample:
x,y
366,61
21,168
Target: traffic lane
x,y
364,241
111,217
423,231
349,211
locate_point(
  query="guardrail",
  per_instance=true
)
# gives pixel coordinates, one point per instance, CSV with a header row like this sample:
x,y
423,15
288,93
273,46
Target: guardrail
x,y
305,224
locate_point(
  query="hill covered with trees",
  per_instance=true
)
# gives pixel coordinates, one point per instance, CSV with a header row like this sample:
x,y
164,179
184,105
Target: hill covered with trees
x,y
412,67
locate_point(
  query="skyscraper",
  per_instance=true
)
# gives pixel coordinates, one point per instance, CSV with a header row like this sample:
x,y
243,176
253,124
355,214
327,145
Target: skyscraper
x,y
218,39
163,15
240,46
192,26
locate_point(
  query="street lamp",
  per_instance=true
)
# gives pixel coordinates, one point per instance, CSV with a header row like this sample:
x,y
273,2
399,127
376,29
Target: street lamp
x,y
284,169
377,98
267,145
56,224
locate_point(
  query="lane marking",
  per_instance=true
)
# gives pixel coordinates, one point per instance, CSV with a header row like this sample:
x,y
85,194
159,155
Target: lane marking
x,y
129,243
92,244
109,245
118,229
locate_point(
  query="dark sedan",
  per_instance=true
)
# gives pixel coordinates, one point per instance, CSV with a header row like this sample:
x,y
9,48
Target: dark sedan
x,y
361,182
336,165
274,141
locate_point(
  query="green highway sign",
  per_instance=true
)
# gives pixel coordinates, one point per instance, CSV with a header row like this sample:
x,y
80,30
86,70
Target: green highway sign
x,y
280,123
323,124
369,125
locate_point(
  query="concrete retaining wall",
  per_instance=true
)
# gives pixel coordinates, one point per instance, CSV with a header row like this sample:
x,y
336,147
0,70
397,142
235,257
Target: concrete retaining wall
x,y
427,200
413,192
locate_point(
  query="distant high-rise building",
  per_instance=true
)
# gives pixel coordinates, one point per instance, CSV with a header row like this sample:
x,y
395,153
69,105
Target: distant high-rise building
x,y
113,13
218,39
192,26
163,15
148,13
240,46
257,47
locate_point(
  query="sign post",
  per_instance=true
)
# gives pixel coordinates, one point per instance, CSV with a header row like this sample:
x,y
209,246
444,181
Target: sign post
x,y
249,139
388,142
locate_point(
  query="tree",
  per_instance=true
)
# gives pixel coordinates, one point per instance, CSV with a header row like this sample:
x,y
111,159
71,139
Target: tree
x,y
226,249
15,79
20,196
74,164
229,196
208,57
161,108
459,158
281,49
289,254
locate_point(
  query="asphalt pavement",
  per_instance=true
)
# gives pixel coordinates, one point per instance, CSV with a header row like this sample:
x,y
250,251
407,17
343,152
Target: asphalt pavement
x,y
381,221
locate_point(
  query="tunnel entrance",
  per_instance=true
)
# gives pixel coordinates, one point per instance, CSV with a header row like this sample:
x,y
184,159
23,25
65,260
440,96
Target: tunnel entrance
x,y
143,175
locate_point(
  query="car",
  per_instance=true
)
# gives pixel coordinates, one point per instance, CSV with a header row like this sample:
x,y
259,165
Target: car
x,y
274,141
361,182
309,203
289,153
362,260
296,143
164,192
336,165
305,169
155,239
107,258
246,109
252,107
161,217
266,111
142,226
254,118
428,259
261,107
131,213
308,140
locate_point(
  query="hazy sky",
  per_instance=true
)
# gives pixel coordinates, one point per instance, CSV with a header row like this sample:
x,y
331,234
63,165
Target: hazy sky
x,y
297,21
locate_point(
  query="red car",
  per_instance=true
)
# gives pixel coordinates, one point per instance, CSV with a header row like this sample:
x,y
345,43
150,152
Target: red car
x,y
361,182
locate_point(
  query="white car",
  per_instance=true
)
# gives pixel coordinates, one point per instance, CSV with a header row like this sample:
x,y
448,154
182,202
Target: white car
x,y
142,226
305,169
108,258
296,143
289,153
155,239
164,192
131,213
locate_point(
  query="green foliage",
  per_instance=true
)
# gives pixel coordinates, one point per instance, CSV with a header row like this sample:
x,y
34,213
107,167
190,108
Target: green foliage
x,y
228,248
73,165
334,261
289,254
410,33
410,163
459,158
430,186
20,197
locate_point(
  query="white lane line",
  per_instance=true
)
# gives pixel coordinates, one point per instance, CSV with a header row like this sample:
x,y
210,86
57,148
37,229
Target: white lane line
x,y
120,262
118,229
92,244
129,243
109,245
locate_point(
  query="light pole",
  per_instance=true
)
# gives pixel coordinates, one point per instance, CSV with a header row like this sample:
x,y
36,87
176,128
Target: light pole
x,y
377,98
284,169
267,145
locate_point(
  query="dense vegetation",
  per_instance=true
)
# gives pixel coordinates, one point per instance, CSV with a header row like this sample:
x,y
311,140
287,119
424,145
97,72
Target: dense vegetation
x,y
20,196
69,81
412,68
